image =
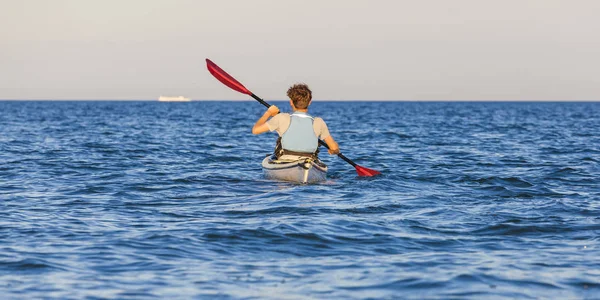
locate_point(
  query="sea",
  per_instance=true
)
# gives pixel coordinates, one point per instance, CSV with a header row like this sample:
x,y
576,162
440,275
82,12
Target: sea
x,y
155,200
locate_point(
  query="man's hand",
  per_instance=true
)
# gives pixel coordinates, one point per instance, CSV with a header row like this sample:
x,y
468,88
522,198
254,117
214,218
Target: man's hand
x,y
273,110
333,151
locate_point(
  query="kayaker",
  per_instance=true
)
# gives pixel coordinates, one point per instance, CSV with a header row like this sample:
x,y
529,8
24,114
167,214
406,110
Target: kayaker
x,y
299,132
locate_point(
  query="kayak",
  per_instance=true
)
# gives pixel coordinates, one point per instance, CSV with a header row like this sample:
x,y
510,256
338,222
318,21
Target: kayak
x,y
300,170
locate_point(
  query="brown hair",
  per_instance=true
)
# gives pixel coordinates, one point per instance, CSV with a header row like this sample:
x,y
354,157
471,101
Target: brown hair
x,y
300,95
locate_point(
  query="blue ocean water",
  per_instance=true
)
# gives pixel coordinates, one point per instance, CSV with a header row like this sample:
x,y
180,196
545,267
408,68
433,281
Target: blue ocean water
x,y
167,200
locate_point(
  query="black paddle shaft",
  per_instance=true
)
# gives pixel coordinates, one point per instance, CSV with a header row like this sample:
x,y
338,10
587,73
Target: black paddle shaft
x,y
263,102
260,100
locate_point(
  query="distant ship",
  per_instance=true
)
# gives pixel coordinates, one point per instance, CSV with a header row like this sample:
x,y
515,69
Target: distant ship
x,y
173,99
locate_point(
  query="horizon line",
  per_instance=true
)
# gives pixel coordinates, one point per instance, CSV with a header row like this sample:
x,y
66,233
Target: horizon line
x,y
285,100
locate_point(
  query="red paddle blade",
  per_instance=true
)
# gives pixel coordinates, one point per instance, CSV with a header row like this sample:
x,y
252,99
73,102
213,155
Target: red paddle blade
x,y
362,171
225,78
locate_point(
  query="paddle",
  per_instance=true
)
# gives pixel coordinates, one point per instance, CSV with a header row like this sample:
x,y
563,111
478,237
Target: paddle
x,y
229,81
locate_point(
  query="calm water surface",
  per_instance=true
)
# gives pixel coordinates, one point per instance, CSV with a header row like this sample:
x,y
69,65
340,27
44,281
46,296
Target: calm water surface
x,y
167,200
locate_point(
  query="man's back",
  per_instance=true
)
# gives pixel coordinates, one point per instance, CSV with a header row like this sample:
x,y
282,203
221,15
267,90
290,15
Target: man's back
x,y
281,123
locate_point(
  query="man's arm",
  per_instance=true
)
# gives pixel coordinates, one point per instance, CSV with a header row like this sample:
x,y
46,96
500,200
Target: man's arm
x,y
261,125
333,146
324,134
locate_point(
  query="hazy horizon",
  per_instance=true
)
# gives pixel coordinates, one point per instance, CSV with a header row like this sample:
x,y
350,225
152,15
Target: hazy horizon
x,y
431,50
279,101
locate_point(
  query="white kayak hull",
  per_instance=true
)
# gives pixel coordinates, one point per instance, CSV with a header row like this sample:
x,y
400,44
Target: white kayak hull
x,y
303,170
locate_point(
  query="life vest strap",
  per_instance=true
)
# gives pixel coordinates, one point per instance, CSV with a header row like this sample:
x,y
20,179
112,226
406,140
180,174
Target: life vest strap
x,y
279,151
306,154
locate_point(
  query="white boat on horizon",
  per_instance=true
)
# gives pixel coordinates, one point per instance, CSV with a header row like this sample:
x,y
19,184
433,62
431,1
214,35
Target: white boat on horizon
x,y
173,99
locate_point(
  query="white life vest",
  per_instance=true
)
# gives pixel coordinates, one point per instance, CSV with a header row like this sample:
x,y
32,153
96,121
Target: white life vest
x,y
300,136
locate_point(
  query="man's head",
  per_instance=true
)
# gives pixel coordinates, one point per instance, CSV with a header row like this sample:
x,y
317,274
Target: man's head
x,y
300,95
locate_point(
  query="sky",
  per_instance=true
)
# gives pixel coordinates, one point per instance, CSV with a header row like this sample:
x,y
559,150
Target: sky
x,y
343,49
